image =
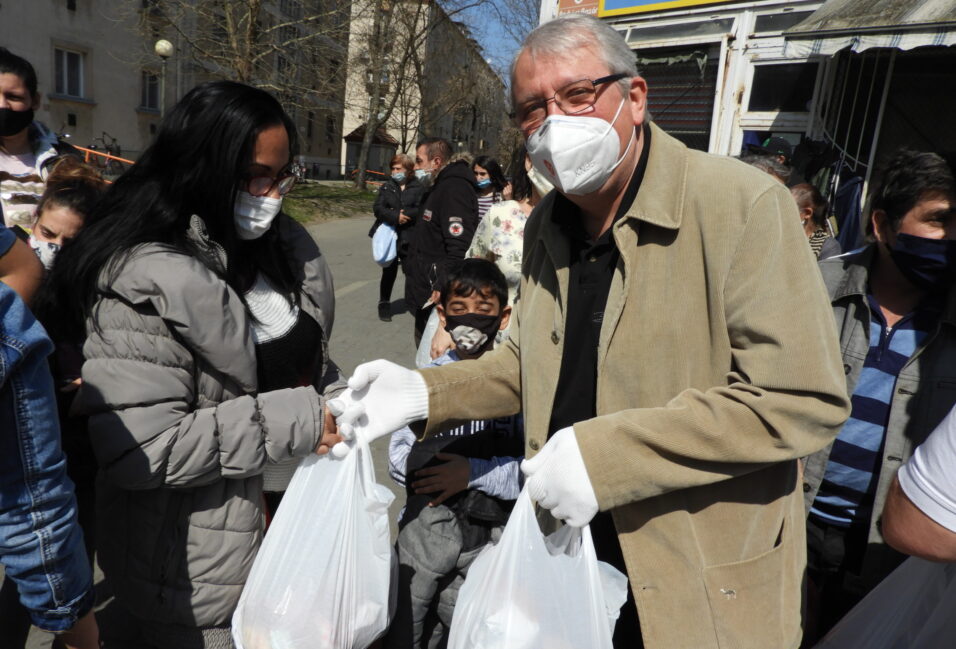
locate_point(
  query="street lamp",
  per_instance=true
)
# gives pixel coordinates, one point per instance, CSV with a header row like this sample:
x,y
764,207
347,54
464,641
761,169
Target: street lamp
x,y
164,49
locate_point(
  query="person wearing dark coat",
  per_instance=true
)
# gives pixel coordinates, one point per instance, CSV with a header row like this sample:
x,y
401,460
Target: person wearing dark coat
x,y
399,205
443,233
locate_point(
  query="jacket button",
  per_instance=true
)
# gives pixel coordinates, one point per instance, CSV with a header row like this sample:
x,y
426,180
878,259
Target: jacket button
x,y
806,487
846,369
534,445
554,337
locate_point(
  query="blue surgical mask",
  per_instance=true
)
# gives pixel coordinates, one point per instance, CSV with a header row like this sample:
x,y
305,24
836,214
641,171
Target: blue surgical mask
x,y
483,183
423,174
399,177
928,263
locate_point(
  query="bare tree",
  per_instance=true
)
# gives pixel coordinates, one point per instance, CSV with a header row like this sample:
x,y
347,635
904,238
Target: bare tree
x,y
293,48
517,18
398,38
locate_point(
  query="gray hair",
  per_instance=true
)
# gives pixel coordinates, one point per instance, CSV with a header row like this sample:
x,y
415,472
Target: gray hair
x,y
768,164
565,36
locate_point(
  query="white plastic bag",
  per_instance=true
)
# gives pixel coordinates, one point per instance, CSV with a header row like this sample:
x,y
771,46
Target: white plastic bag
x,y
530,591
911,609
384,244
322,576
423,357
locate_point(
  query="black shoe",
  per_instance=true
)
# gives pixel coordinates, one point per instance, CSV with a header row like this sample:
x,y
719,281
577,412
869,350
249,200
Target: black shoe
x,y
385,311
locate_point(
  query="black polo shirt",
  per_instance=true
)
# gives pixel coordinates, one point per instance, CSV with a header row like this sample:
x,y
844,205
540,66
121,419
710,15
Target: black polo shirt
x,y
592,264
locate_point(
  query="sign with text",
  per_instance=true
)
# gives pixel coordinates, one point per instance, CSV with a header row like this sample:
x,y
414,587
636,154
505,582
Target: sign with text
x,y
578,7
624,7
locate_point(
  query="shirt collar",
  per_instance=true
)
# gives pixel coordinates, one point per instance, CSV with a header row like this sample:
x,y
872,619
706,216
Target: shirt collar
x,y
567,215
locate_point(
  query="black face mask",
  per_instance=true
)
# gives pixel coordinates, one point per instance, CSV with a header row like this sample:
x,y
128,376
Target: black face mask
x,y
472,332
14,121
928,263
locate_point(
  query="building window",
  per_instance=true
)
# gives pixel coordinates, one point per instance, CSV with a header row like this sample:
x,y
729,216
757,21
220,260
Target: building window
x,y
69,73
330,129
287,34
71,5
310,119
282,64
71,119
787,87
291,8
149,90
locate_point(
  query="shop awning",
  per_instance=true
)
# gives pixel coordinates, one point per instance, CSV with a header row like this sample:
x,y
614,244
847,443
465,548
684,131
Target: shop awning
x,y
862,24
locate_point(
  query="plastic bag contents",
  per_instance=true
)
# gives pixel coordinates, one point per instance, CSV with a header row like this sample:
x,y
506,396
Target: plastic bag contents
x,y
911,609
530,591
322,576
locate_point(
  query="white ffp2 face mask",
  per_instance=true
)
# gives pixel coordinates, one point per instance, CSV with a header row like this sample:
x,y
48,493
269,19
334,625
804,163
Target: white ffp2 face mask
x,y
254,214
577,153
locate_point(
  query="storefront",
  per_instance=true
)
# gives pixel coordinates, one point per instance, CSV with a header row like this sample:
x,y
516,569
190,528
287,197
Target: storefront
x,y
846,82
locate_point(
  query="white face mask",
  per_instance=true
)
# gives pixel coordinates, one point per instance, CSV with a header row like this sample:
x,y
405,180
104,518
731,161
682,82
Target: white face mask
x,y
541,184
424,176
577,153
45,251
254,214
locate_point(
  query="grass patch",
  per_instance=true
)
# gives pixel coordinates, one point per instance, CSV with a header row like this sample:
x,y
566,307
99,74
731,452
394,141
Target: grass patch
x,y
314,202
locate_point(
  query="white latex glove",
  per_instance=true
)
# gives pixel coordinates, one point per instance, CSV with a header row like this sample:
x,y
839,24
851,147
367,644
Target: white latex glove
x,y
382,397
557,479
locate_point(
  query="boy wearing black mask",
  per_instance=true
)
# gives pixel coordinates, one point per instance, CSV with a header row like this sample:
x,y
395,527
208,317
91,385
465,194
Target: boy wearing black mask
x,y
895,307
463,481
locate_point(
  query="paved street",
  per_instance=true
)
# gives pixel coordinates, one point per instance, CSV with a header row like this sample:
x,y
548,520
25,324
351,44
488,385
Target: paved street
x,y
358,335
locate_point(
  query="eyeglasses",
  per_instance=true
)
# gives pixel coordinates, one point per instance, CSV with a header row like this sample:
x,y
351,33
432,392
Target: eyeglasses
x,y
262,185
576,97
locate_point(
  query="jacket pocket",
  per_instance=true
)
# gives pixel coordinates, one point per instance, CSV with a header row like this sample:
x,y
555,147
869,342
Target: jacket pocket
x,y
755,603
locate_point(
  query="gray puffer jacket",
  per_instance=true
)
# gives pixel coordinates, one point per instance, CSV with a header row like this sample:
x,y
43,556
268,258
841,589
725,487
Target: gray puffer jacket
x,y
178,428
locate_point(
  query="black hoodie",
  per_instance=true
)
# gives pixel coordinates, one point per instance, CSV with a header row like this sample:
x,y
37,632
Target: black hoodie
x,y
442,234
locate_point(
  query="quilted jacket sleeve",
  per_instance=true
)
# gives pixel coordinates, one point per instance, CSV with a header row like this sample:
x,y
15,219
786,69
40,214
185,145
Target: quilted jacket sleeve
x,y
155,419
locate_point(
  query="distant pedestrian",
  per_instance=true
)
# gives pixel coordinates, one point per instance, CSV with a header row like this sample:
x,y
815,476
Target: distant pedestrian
x,y
773,156
490,181
399,204
813,217
443,233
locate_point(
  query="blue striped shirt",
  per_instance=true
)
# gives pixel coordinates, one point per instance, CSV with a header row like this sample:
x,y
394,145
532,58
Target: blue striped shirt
x,y
849,481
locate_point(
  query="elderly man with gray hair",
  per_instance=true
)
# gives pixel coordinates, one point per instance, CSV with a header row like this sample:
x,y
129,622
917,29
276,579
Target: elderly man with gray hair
x,y
674,355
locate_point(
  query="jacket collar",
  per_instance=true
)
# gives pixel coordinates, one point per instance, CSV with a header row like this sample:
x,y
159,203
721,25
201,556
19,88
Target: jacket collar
x,y
208,249
857,277
44,147
661,197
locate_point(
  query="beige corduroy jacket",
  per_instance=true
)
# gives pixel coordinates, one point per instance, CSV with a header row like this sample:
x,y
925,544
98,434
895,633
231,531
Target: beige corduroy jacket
x,y
718,367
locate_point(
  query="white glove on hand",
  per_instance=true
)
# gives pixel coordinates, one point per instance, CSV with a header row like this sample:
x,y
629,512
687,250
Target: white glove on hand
x,y
558,480
382,397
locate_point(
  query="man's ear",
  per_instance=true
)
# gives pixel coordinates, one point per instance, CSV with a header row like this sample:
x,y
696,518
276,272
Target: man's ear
x,y
441,315
36,101
881,226
638,96
505,318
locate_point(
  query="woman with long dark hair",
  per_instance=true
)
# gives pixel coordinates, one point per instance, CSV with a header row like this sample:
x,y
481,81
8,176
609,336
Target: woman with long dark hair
x,y
491,183
207,313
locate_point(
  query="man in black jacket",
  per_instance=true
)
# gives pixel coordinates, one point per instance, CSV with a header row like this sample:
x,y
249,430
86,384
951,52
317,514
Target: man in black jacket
x,y
444,231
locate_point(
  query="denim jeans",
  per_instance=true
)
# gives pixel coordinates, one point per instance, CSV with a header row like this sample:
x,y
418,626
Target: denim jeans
x,y
41,545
